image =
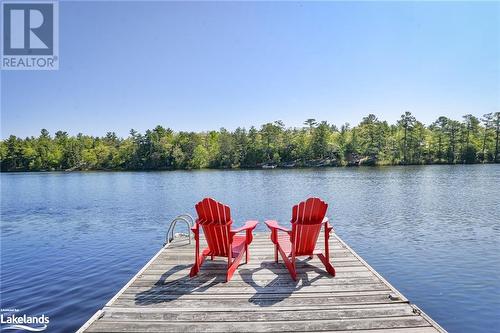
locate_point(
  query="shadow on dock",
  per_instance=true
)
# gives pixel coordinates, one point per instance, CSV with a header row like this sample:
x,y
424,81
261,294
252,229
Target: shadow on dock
x,y
273,292
176,288
261,296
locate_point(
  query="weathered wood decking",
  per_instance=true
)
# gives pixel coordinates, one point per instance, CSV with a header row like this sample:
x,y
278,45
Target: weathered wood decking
x,y
261,297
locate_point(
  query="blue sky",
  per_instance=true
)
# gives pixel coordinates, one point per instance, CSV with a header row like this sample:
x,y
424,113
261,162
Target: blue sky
x,y
202,66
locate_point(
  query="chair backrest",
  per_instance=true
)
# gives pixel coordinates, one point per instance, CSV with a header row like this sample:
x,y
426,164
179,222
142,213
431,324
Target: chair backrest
x,y
307,218
215,219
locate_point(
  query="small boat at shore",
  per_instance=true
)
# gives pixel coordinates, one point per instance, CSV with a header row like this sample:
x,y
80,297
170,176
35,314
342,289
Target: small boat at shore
x,y
289,165
269,166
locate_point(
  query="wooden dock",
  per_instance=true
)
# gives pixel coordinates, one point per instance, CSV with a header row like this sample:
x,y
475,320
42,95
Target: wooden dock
x,y
261,297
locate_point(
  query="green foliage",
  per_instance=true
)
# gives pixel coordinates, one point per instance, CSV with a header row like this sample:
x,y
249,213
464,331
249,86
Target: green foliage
x,y
318,143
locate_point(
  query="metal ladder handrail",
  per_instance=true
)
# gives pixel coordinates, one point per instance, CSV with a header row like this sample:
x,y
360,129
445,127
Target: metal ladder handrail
x,y
186,218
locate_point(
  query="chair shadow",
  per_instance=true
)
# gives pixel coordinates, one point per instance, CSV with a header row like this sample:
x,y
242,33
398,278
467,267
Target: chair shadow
x,y
282,286
275,291
175,289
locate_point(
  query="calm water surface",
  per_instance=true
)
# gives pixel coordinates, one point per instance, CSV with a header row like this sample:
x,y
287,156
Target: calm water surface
x,y
70,241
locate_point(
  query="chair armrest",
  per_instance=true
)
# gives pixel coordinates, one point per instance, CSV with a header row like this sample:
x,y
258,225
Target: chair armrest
x,y
196,226
328,226
271,224
249,225
196,234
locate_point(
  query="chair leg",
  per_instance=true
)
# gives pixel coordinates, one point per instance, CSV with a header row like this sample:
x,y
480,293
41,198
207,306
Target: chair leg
x,y
229,274
294,269
232,267
194,270
198,258
328,266
294,275
246,254
290,265
275,253
196,267
325,258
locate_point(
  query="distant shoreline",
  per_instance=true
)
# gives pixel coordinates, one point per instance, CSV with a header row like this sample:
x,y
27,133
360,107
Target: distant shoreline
x,y
249,168
317,144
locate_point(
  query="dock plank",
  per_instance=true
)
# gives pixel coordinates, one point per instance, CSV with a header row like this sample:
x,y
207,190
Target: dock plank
x,y
261,297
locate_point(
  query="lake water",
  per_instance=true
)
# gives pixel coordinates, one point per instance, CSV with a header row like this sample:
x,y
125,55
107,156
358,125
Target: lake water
x,y
70,241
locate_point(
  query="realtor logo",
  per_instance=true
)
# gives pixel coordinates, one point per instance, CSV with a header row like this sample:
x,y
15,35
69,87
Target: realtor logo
x,y
30,35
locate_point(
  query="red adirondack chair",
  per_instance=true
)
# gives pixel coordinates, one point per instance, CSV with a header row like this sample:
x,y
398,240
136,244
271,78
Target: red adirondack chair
x,y
307,219
215,220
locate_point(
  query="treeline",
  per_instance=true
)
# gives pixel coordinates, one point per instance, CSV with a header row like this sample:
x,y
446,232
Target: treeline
x,y
372,142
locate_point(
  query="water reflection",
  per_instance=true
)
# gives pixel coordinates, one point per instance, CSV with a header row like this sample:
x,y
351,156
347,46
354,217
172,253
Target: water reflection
x,y
432,231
